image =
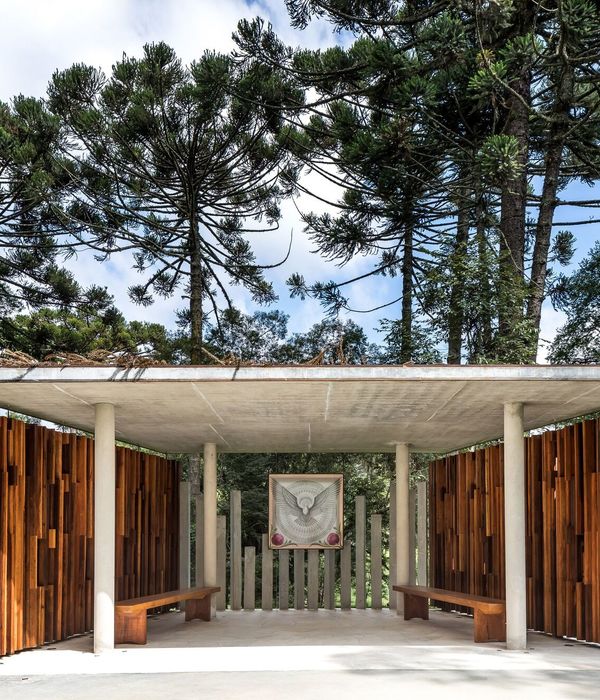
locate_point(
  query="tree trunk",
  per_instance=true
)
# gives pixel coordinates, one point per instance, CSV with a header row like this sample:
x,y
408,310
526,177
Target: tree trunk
x,y
406,341
513,206
482,342
543,229
513,200
196,285
456,313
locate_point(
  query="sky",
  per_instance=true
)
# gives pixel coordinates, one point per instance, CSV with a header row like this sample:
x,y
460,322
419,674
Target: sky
x,y
40,36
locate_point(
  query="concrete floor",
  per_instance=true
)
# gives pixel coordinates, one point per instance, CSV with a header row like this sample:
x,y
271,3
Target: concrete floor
x,y
304,654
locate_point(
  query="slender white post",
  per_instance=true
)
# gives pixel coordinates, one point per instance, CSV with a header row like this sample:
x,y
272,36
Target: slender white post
x,y
104,528
402,522
514,527
422,532
184,537
210,516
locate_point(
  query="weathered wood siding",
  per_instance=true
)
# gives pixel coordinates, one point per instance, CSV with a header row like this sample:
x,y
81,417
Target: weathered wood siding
x,y
46,531
563,527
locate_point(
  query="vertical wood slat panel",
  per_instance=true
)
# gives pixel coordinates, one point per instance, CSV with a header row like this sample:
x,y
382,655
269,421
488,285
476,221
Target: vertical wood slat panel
x,y
562,527
46,531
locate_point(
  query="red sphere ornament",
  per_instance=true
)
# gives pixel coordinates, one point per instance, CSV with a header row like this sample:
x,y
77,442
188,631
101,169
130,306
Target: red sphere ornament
x,y
333,538
277,539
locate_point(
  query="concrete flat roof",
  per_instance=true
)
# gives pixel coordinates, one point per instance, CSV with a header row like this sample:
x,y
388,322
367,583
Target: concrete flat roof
x,y
333,408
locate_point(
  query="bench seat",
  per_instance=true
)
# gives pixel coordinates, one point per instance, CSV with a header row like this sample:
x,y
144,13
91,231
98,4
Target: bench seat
x,y
131,621
489,613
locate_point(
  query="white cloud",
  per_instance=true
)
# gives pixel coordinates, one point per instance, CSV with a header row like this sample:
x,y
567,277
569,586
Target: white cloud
x,y
551,321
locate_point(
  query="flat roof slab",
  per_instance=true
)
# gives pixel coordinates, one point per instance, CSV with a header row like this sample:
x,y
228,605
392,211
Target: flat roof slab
x,y
303,409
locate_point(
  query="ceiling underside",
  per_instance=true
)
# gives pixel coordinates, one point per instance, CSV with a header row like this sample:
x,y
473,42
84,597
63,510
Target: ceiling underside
x,y
318,409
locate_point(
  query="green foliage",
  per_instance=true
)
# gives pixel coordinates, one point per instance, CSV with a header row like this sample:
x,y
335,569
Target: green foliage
x,y
578,296
180,164
96,325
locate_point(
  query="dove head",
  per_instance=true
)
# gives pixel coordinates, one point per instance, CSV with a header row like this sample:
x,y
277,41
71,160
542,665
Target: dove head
x,y
306,503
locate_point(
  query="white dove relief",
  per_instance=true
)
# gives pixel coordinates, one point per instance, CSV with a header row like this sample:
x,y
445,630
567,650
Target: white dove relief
x,y
310,515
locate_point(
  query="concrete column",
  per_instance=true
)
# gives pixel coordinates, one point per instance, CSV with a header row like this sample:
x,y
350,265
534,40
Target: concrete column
x,y
184,537
210,516
402,522
104,528
514,526
422,532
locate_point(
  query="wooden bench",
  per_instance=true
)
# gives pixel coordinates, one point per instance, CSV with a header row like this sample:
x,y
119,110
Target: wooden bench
x,y
131,621
489,613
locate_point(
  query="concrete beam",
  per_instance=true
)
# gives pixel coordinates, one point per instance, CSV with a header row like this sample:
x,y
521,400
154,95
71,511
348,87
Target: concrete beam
x,y
104,528
514,527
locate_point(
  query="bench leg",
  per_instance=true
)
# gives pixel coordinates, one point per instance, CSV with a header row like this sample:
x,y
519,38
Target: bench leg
x,y
489,627
198,609
415,606
131,628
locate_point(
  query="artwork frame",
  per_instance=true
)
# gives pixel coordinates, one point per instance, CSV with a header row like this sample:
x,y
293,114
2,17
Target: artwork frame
x,y
293,524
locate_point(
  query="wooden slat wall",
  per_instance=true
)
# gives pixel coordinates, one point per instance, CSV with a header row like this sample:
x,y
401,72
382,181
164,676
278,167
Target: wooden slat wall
x,y
563,528
46,531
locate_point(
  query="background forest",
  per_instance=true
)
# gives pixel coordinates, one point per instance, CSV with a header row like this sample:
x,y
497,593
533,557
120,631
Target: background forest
x,y
454,144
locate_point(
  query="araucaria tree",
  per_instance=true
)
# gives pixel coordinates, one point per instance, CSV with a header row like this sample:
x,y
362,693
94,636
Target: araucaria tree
x,y
179,165
34,182
507,94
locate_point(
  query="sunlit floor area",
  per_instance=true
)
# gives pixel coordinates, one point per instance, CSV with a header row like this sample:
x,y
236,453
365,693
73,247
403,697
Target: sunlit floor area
x,y
297,654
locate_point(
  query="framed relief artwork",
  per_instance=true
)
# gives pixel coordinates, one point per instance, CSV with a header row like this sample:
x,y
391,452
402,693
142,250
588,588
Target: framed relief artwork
x,y
306,511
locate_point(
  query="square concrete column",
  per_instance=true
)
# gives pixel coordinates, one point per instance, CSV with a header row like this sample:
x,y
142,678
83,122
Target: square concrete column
x,y
402,521
210,518
514,526
104,528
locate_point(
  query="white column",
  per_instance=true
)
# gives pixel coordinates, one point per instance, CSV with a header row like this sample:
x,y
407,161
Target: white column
x,y
422,532
184,536
210,516
514,526
402,522
104,528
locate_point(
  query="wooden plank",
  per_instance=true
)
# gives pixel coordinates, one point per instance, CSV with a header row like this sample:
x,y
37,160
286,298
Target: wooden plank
x,y
313,579
249,578
376,573
360,551
235,525
299,579
266,570
283,556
